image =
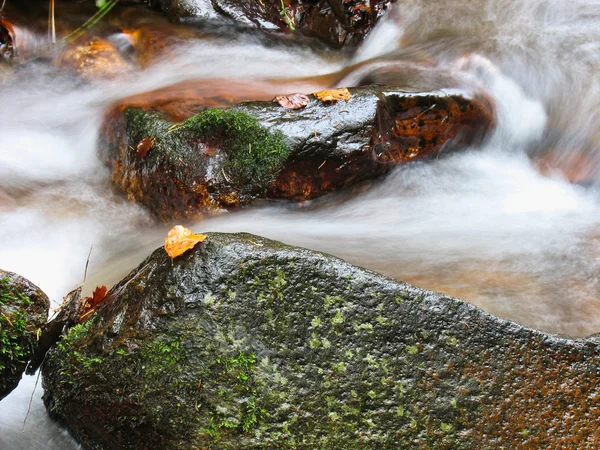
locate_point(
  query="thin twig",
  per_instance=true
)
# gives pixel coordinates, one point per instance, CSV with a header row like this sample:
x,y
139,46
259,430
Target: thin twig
x,y
2,7
91,21
173,128
52,23
77,33
224,175
31,398
87,263
423,112
7,319
87,314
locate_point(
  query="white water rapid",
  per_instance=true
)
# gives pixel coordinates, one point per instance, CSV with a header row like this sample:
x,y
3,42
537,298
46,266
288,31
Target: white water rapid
x,y
483,224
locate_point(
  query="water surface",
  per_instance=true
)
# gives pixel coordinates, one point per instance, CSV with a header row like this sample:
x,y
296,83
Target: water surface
x,y
485,224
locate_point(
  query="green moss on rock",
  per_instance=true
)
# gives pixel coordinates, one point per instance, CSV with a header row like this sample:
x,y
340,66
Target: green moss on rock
x,y
256,155
23,311
216,159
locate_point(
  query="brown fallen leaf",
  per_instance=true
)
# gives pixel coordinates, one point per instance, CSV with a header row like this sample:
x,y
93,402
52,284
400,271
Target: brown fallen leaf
x,y
292,101
180,239
333,95
88,304
98,295
144,146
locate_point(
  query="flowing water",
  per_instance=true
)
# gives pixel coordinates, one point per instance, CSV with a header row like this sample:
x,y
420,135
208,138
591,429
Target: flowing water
x,y
485,225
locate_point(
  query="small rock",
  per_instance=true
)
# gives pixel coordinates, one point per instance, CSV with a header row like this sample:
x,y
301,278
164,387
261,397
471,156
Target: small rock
x,y
94,58
23,313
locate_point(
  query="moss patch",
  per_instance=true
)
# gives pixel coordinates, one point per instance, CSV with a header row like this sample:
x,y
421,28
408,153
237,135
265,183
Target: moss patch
x,y
15,331
255,154
23,311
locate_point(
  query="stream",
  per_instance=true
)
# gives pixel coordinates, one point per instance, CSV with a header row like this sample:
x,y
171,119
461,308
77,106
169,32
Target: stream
x,y
485,224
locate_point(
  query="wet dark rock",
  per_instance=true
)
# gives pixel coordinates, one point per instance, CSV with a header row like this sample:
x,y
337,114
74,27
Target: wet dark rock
x,y
227,158
178,10
7,37
23,313
333,21
246,343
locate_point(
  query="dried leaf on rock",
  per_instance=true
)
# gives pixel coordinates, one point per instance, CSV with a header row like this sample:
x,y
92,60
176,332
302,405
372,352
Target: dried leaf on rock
x,y
98,295
333,95
292,101
144,146
180,239
88,304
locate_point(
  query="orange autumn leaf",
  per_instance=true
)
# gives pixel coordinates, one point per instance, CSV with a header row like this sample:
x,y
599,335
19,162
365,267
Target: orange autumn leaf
x,y
333,95
88,304
180,239
98,295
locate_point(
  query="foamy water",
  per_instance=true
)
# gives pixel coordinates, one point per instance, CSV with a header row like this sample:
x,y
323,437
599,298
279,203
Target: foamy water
x,y
484,224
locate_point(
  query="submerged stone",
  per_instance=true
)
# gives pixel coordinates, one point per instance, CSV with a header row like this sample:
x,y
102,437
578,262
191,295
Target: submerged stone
x,y
221,159
94,58
246,343
23,313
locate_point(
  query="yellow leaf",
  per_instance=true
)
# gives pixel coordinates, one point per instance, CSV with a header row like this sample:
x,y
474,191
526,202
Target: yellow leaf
x,y
333,95
180,239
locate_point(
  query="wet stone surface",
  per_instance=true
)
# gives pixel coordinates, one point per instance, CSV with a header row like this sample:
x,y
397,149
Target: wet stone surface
x,y
222,159
334,22
246,343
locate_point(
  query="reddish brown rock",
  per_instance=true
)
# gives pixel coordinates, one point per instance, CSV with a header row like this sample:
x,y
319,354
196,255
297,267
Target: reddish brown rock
x,y
94,58
183,100
225,158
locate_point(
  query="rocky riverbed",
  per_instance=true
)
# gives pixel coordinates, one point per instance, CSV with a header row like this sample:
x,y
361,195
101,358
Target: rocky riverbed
x,y
436,153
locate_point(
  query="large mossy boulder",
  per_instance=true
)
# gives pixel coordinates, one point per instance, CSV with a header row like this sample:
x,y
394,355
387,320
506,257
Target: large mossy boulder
x,y
225,158
23,313
246,343
332,21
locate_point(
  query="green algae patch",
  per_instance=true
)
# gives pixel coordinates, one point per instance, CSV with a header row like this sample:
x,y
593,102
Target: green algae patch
x,y
22,315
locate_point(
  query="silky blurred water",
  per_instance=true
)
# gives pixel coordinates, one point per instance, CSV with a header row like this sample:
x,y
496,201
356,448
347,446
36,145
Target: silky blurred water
x,y
484,224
